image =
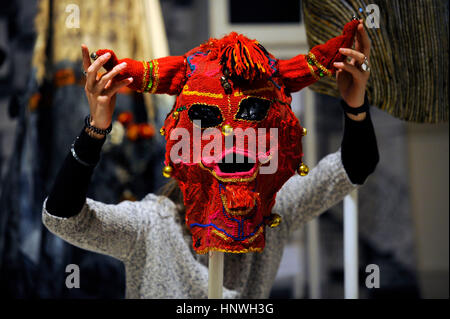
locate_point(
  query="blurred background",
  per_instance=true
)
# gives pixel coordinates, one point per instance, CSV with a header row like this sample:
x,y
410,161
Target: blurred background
x,y
403,207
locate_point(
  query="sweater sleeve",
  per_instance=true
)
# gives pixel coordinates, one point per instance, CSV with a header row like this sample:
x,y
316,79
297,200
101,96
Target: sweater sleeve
x,y
336,175
108,229
303,198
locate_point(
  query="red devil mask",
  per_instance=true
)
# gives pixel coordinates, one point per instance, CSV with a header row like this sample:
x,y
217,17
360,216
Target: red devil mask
x,y
232,138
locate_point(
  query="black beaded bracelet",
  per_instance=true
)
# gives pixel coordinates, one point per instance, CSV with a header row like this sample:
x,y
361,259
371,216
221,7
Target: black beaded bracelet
x,y
87,123
356,110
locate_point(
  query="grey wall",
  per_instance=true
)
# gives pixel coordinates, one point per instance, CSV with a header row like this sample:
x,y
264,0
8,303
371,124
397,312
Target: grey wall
x,y
429,176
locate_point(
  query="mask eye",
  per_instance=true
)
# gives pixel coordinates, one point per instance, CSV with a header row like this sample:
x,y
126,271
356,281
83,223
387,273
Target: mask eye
x,y
253,109
209,115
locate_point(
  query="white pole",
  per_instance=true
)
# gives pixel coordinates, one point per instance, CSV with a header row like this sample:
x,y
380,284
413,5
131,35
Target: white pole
x,y
351,245
157,35
157,46
300,276
312,228
215,280
313,258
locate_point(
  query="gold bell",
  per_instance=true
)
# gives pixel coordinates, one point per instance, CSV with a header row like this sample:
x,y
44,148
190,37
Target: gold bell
x,y
167,171
303,170
175,115
227,129
305,131
275,220
162,131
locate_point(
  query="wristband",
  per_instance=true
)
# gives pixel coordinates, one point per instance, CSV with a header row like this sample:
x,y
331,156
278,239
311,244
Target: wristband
x,y
87,123
356,110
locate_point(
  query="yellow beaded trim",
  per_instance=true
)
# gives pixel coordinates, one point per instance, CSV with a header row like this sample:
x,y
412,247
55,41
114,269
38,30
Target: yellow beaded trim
x,y
150,80
155,76
206,94
223,236
252,239
248,250
312,72
320,66
144,84
248,240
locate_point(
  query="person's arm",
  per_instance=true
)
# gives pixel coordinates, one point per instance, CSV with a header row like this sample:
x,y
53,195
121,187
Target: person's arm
x,y
89,224
69,190
109,229
304,198
359,148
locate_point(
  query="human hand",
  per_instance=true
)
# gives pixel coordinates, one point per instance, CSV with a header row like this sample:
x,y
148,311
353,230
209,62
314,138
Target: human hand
x,y
350,78
101,90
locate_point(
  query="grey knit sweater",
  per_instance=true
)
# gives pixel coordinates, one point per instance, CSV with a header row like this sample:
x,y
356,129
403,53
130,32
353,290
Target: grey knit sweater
x,y
148,237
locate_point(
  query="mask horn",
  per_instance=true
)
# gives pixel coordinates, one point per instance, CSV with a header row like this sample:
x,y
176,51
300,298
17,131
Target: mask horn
x,y
160,76
303,70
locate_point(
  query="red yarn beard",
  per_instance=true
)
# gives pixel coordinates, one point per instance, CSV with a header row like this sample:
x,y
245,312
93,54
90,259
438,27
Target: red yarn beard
x,y
229,211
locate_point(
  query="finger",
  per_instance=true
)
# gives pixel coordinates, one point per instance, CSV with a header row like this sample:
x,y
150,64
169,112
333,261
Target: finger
x,y
353,70
110,75
355,55
86,59
108,85
117,86
363,41
93,70
358,42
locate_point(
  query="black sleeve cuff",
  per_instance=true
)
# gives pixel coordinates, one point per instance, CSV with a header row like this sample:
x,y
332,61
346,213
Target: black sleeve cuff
x,y
359,149
356,110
